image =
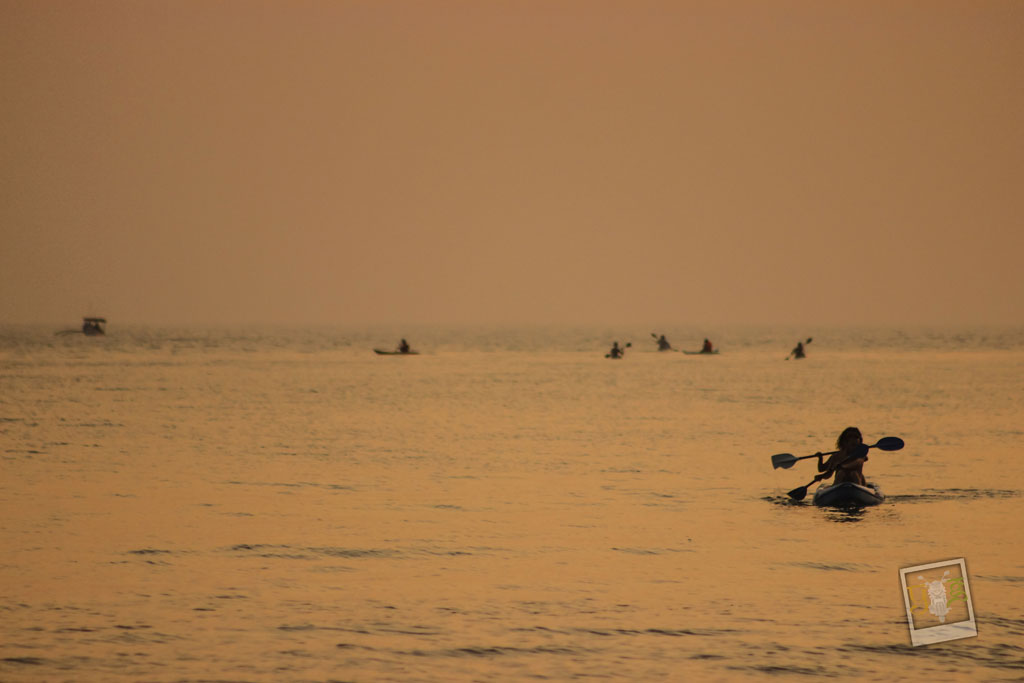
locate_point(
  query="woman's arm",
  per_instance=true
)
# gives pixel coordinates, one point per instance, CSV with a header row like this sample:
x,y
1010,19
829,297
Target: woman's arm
x,y
833,463
854,464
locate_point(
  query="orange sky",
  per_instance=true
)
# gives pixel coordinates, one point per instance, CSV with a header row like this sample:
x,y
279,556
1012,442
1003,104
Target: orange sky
x,y
504,162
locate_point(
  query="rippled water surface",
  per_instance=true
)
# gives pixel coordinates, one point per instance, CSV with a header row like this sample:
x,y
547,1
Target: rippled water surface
x,y
254,505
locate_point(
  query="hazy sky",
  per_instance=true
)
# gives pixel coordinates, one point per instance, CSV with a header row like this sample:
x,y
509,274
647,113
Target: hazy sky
x,y
493,161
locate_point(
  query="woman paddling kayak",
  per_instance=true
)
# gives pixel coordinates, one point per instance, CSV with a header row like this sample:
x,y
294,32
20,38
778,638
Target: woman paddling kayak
x,y
845,470
849,487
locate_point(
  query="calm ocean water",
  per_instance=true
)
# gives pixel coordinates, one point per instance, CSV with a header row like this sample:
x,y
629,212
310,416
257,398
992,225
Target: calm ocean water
x,y
265,505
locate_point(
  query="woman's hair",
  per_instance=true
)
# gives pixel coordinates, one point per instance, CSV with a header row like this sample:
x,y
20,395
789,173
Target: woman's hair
x,y
848,434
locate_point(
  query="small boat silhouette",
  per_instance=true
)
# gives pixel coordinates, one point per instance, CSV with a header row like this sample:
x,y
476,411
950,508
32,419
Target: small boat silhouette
x,y
91,327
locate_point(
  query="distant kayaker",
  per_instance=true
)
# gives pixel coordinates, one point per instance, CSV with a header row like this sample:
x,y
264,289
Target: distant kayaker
x,y
798,352
707,348
663,344
404,347
847,443
616,351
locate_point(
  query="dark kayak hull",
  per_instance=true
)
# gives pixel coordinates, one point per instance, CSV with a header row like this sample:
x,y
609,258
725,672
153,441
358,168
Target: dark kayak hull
x,y
382,352
848,493
701,353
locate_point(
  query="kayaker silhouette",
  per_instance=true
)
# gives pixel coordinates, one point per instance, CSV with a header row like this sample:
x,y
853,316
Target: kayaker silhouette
x,y
663,344
616,352
798,352
845,470
707,348
404,347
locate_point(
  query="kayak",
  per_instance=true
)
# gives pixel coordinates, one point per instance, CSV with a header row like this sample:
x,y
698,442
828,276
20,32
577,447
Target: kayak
x,y
848,493
382,352
701,353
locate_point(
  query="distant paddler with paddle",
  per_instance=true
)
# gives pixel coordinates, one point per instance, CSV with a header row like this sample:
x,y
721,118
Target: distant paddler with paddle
x,y
798,350
618,351
663,344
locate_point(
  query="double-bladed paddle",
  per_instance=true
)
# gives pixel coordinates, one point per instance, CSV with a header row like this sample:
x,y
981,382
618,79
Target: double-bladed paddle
x,y
787,460
892,443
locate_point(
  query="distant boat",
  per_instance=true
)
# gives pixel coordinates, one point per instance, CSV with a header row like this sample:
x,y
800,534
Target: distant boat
x,y
91,327
403,349
707,349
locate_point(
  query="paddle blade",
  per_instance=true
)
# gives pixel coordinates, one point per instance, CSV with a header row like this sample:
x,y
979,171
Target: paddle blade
x,y
783,460
890,443
798,494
